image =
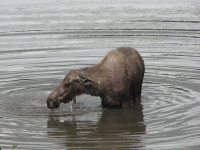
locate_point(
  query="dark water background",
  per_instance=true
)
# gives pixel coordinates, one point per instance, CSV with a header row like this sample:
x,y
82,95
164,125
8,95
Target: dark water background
x,y
41,41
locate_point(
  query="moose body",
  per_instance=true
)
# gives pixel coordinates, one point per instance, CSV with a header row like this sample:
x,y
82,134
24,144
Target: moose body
x,y
117,80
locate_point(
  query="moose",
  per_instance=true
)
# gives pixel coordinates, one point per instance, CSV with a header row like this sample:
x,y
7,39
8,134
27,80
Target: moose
x,y
117,80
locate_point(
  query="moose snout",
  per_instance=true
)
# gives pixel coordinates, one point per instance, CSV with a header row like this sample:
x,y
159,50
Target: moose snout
x,y
52,104
52,101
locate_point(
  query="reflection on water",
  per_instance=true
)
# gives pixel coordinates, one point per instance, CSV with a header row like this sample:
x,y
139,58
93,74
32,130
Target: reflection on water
x,y
110,128
41,41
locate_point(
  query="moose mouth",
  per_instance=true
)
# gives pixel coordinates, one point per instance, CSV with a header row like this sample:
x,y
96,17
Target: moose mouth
x,y
53,104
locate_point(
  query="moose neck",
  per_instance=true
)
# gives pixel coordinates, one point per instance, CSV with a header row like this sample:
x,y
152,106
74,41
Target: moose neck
x,y
90,90
90,73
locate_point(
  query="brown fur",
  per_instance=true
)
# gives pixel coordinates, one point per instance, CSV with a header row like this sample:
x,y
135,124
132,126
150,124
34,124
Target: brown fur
x,y
117,80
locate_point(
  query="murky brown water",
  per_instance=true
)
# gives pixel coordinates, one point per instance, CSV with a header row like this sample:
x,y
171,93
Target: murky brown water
x,y
41,41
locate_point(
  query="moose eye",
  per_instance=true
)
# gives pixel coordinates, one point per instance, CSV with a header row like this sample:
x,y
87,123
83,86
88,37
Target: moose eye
x,y
67,84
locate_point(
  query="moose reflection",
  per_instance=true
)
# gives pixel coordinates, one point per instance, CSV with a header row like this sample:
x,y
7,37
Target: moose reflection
x,y
109,128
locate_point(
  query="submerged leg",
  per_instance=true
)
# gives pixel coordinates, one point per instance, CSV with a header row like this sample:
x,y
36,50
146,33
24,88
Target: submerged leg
x,y
103,102
126,102
110,102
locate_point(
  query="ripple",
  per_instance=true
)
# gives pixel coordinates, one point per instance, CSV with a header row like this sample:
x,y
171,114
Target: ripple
x,y
41,43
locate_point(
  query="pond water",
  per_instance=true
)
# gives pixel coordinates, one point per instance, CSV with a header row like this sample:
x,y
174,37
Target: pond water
x,y
41,41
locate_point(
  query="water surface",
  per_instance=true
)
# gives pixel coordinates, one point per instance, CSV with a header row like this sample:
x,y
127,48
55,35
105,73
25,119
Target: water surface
x,y
41,41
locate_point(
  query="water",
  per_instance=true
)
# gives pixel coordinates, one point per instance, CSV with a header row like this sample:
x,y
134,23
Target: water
x,y
41,41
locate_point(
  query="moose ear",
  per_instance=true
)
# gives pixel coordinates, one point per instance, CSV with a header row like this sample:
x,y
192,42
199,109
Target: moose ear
x,y
84,80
